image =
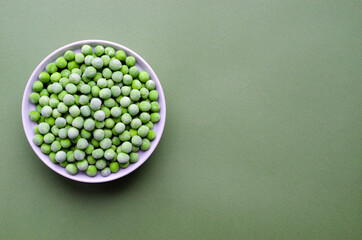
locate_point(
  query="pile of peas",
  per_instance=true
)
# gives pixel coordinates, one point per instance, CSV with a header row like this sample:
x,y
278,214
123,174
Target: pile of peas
x,y
95,110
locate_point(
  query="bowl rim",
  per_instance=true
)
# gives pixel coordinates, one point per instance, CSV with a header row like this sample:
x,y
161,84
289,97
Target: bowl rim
x,y
25,114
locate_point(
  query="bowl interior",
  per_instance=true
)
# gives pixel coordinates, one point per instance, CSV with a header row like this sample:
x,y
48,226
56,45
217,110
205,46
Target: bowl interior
x,y
29,125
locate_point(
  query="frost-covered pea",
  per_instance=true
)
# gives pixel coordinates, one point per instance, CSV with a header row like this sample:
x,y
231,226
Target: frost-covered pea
x,y
62,108
89,124
34,98
54,130
106,59
43,128
136,84
124,69
143,131
95,91
51,68
144,93
72,65
99,124
116,112
74,111
79,155
44,100
69,55
98,153
88,60
151,135
145,106
49,138
98,134
143,76
127,79
133,109
71,169
60,156
135,95
82,165
125,101
65,73
91,171
82,143
61,62
145,117
105,93
115,91
74,78
109,123
126,147
100,164
85,134
109,154
145,144
126,118
99,115
68,100
119,128
153,96
55,77
44,92
87,50
114,166
71,88
107,133
83,100
110,102
53,103
150,85
102,83
38,139
117,76
115,64
95,104
65,143
97,63
99,50
90,72
85,89
130,61
136,140
125,136
78,122
55,146
107,73
136,123
121,55
70,156
34,116
106,172
122,157
109,51
73,133
134,72
52,157
155,106
69,119
45,148
105,143
89,149
155,117
133,157
125,90
85,111
64,81
61,95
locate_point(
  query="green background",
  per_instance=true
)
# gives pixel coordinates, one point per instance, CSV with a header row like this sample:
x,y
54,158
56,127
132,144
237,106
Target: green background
x,y
263,132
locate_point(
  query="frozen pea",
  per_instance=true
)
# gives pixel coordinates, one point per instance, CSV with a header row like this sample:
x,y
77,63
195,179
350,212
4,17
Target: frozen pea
x,y
79,155
71,169
130,61
125,101
37,86
100,164
44,92
85,89
115,64
143,131
95,91
89,149
70,156
34,116
55,77
50,121
71,88
73,64
133,132
119,128
62,108
83,100
69,55
69,100
44,100
53,103
65,143
144,93
133,157
90,72
91,171
82,165
153,96
134,72
117,76
60,156
125,90
114,166
116,141
99,124
43,128
73,133
136,140
133,109
105,143
34,98
106,59
102,83
127,79
145,106
99,50
136,84
155,106
105,93
97,63
109,51
124,69
61,62
52,157
78,122
54,130
126,147
109,123
145,144
89,124
44,77
74,78
38,139
124,165
116,112
125,136
69,119
55,146
82,143
88,60
126,118
87,50
65,73
120,55
145,117
98,153
98,134
122,157
151,135
95,104
51,68
107,73
99,115
45,148
106,172
143,76
109,154
49,138
136,123
150,85
135,95
110,102
155,117
64,81
85,134
85,111
74,111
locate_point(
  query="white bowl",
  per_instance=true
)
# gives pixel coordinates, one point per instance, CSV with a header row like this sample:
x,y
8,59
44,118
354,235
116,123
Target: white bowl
x,y
29,125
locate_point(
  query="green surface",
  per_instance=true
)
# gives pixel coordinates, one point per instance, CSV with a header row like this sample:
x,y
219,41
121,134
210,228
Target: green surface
x,y
263,131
